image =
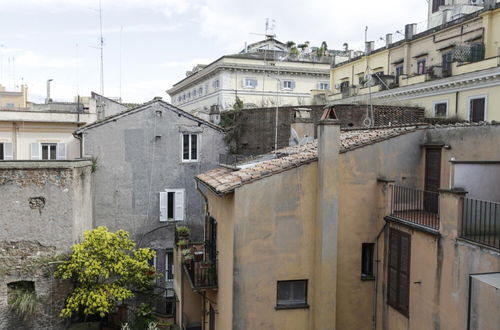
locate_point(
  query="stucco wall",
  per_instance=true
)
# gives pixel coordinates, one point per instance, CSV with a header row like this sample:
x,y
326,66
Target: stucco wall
x,y
273,241
481,181
138,156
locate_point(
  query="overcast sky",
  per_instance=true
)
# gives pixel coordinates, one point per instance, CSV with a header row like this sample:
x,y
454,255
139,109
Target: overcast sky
x,y
161,39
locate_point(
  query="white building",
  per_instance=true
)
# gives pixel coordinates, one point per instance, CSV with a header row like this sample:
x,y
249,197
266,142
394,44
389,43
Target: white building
x,y
443,11
264,74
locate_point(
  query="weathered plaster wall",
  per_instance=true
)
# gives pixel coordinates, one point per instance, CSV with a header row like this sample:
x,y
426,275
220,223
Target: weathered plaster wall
x,y
46,208
138,156
273,235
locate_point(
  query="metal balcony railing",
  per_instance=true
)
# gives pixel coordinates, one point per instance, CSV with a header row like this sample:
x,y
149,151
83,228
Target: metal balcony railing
x,y
202,274
416,206
481,222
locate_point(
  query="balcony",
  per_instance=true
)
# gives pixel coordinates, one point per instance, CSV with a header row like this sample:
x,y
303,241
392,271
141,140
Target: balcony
x,y
481,222
201,267
415,206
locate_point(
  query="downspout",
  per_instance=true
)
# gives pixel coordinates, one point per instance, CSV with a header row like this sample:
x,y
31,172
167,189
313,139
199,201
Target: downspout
x,y
205,236
456,103
79,136
375,286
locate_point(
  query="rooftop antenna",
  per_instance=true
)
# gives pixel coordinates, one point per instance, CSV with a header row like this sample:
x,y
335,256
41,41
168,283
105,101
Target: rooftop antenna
x,y
121,31
77,73
102,49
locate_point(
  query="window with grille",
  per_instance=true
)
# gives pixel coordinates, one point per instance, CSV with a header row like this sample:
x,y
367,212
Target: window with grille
x,y
292,294
398,289
440,109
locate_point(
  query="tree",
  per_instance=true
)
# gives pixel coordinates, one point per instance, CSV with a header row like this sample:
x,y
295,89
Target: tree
x,y
238,104
106,268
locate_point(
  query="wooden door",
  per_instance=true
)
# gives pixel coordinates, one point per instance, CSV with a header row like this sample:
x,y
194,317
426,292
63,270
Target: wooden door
x,y
432,179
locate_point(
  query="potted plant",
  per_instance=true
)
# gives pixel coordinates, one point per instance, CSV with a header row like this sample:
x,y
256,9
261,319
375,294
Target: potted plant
x,y
182,243
182,232
187,256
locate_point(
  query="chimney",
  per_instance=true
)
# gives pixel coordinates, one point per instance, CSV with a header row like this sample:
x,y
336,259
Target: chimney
x,y
369,47
48,99
445,16
388,40
410,30
326,226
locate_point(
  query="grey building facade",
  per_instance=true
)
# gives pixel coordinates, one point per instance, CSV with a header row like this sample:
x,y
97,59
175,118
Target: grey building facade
x,y
146,160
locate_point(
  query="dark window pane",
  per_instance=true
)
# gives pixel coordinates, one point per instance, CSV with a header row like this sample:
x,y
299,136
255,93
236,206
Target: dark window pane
x,y
170,205
441,110
45,152
399,270
1,150
170,257
52,152
185,147
194,147
292,292
477,109
367,259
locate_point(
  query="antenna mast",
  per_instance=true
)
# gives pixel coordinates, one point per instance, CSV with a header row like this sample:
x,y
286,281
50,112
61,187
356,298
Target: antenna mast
x,y
101,47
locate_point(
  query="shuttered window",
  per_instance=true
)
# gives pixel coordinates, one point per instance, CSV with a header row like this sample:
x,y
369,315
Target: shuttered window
x,y
398,292
171,205
6,151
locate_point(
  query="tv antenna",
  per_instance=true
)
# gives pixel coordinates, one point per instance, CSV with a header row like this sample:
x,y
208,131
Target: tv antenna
x,y
101,48
269,30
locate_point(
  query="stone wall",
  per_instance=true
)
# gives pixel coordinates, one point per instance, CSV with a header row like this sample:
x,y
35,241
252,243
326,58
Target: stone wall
x,y
46,208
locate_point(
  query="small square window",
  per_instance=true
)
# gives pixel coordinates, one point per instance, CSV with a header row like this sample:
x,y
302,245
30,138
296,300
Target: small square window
x,y
288,84
324,86
292,294
49,151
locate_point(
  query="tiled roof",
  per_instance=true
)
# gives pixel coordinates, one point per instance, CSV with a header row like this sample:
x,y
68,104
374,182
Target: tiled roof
x,y
223,179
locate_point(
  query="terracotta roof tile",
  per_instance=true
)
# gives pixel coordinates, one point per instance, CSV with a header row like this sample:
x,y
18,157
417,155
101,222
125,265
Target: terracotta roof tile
x,y
223,180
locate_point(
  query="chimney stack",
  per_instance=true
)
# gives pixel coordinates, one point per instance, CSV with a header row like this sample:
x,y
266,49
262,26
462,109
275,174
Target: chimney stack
x,y
48,99
369,47
388,40
410,30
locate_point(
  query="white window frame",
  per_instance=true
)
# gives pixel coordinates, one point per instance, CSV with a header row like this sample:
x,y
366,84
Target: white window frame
x,y
179,214
479,96
434,108
325,83
289,82
198,145
166,266
247,79
216,83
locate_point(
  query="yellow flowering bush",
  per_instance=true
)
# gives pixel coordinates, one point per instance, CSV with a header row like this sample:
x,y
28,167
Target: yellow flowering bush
x,y
106,268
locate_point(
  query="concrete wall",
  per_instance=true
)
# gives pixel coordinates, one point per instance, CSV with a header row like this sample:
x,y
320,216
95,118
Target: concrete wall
x,y
273,236
139,155
46,208
481,181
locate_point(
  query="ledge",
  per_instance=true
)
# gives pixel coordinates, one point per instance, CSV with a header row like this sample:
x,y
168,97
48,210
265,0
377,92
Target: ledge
x,y
413,225
384,180
455,191
298,306
43,164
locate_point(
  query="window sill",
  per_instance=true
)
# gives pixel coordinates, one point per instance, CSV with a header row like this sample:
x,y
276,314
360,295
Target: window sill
x,y
367,278
297,306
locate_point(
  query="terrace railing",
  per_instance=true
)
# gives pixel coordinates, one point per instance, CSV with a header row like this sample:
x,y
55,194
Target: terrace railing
x,y
417,206
481,222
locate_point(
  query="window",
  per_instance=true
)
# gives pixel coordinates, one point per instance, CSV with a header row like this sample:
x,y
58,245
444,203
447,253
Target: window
x,y
249,82
152,262
194,92
48,151
189,147
344,86
292,294
288,84
440,109
206,88
216,84
421,66
367,250
171,202
447,60
10,105
6,151
169,267
399,271
399,72
200,91
436,4
477,108
179,99
324,86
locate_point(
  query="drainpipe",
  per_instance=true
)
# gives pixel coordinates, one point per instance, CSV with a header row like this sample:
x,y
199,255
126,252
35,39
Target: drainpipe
x,y
375,285
456,103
